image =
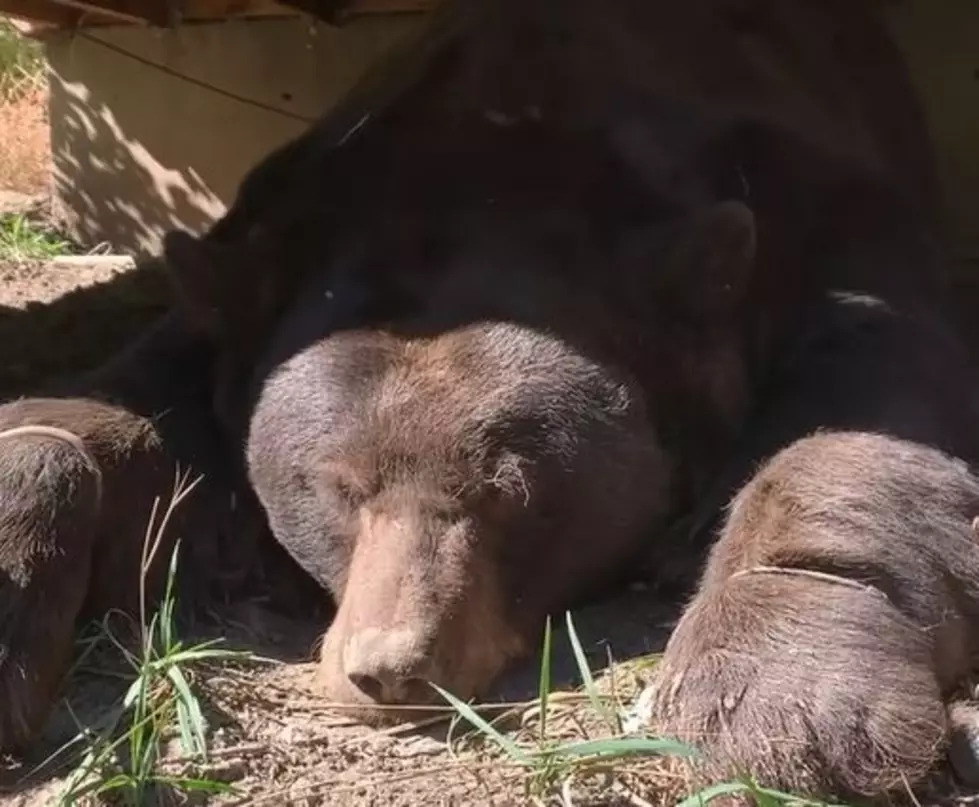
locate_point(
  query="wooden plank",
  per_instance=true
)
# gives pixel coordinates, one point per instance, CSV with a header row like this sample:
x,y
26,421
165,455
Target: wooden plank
x,y
27,13
33,27
201,10
85,12
322,9
45,14
389,6
336,11
118,11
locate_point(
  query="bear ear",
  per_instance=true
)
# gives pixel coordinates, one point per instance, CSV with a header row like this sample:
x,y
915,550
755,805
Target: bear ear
x,y
710,259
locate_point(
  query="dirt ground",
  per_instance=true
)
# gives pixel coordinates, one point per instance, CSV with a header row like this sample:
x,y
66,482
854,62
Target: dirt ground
x,y
277,743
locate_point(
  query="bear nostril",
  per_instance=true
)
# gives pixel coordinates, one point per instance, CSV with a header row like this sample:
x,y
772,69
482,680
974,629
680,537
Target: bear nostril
x,y
388,666
406,692
369,685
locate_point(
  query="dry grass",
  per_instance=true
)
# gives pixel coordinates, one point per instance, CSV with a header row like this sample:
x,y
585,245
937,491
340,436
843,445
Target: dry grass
x,y
25,159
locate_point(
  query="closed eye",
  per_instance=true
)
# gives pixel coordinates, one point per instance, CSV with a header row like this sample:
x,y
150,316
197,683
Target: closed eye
x,y
509,479
344,485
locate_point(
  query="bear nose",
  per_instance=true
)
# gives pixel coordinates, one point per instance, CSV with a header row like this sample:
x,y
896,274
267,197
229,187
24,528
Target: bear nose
x,y
389,666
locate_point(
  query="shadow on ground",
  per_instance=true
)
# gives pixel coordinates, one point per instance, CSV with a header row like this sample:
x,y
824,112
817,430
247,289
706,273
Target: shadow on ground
x,y
632,625
78,330
635,624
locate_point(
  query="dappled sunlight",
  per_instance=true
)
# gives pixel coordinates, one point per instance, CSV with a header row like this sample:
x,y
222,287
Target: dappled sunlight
x,y
165,147
115,189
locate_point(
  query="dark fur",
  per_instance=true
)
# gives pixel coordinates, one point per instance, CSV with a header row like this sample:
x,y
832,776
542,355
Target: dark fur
x,y
656,105
74,508
526,174
486,447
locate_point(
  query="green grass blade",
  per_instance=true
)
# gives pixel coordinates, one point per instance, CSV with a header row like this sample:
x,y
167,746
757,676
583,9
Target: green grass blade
x,y
19,240
118,782
172,572
97,757
189,785
201,653
708,794
165,621
158,694
169,601
149,638
586,677
764,797
512,749
136,691
190,720
84,734
544,685
625,746
188,743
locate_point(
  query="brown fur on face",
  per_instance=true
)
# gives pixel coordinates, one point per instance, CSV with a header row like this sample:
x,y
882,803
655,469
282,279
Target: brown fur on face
x,y
402,625
463,489
453,477
837,613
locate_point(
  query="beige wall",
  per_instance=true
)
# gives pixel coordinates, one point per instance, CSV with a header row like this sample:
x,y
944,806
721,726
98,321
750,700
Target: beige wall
x,y
138,151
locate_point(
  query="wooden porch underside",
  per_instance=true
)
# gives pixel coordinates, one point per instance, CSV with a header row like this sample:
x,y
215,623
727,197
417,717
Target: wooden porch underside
x,y
37,16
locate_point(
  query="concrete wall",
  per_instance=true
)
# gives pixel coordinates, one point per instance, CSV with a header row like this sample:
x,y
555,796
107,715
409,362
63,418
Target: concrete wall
x,y
138,151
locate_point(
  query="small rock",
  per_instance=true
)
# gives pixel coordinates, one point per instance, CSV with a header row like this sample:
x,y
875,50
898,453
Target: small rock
x,y
641,714
963,750
419,747
119,263
227,770
287,736
380,742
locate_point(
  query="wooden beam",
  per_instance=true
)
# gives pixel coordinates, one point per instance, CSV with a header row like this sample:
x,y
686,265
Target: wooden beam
x,y
201,10
119,11
328,10
390,6
46,14
84,12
